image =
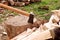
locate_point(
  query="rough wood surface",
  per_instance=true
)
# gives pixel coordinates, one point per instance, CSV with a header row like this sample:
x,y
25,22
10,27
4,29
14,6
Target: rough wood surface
x,y
24,34
17,25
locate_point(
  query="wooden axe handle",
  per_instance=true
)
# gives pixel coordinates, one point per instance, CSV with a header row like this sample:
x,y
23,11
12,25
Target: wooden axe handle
x,y
14,9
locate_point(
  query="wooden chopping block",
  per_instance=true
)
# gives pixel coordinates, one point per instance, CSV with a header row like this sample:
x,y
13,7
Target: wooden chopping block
x,y
17,25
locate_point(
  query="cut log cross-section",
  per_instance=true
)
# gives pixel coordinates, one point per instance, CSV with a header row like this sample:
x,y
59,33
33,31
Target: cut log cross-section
x,y
17,25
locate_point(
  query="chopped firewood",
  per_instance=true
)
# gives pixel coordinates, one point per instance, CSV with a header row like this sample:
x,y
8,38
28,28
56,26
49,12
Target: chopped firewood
x,y
26,3
11,2
5,2
39,35
19,4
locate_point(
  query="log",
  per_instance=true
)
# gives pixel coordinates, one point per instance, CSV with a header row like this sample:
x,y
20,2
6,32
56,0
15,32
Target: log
x,y
20,4
24,34
37,35
14,9
16,25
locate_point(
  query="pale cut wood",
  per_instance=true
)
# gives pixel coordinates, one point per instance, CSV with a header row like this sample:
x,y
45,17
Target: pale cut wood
x,y
37,35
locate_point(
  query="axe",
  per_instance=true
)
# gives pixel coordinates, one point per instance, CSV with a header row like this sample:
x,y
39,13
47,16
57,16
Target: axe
x,y
31,16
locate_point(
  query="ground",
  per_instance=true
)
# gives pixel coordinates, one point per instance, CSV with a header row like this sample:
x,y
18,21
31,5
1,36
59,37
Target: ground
x,y
34,7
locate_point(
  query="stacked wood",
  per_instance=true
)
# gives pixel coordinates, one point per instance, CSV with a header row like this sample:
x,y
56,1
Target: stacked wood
x,y
18,2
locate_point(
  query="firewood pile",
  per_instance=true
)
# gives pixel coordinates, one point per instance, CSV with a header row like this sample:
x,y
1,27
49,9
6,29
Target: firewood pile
x,y
18,2
27,27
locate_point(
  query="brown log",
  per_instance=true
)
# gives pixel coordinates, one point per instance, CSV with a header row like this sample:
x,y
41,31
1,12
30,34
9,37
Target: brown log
x,y
14,9
16,25
24,34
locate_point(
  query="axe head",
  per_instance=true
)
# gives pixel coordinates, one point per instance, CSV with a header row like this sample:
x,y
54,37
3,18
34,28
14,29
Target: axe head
x,y
31,18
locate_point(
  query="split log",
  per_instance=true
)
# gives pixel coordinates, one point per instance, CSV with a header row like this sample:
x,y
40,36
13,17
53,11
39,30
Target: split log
x,y
39,35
